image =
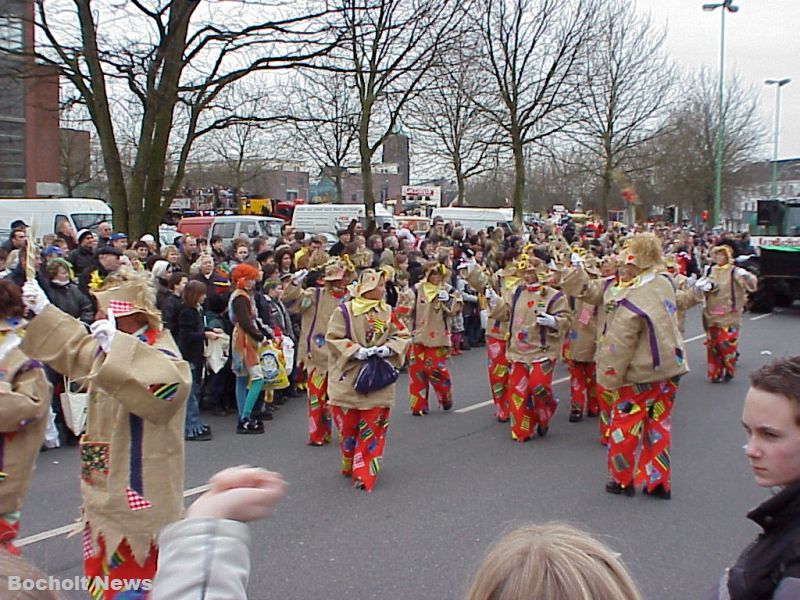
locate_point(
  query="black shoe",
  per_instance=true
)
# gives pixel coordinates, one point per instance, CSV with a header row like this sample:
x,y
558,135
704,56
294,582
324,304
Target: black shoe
x,y
658,492
503,419
266,414
591,414
250,426
203,436
542,429
612,487
419,413
447,405
727,377
717,379
575,416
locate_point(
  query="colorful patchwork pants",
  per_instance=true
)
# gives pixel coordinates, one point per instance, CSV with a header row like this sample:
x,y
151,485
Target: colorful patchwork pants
x,y
9,528
362,434
319,418
530,397
583,387
641,411
721,349
498,375
122,567
605,400
428,365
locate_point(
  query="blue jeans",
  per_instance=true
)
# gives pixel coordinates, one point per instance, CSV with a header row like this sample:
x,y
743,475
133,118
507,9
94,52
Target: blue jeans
x,y
193,424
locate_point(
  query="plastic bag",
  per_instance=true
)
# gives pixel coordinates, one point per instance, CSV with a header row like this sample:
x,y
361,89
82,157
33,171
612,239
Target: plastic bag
x,y
74,402
273,367
287,345
375,374
51,431
484,319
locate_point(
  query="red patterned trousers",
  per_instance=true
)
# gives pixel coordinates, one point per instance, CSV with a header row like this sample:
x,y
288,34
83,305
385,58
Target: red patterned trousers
x,y
530,398
428,366
605,401
583,387
319,418
9,529
362,435
498,375
121,567
721,350
641,411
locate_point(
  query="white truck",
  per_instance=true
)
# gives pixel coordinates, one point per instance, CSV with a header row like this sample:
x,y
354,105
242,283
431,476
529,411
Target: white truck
x,y
44,215
328,218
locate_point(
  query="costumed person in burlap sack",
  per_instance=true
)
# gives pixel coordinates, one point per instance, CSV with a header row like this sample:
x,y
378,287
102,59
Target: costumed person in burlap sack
x,y
578,353
361,328
592,291
686,290
434,301
640,358
725,288
496,341
538,318
24,405
316,305
132,451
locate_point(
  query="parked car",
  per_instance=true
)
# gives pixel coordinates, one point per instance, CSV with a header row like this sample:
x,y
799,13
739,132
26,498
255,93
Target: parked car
x,y
230,227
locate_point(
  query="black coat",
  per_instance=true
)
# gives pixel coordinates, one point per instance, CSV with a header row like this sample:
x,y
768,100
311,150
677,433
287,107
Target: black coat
x,y
169,314
82,259
190,334
773,559
70,299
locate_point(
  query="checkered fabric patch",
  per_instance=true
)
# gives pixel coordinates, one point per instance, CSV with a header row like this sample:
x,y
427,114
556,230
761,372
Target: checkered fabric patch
x,y
136,501
118,306
86,543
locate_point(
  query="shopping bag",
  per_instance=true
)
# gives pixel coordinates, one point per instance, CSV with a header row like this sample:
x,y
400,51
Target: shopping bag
x,y
216,352
273,369
74,403
51,439
484,318
375,374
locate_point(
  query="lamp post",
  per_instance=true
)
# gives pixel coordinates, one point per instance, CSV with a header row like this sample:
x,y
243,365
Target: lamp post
x,y
726,6
778,83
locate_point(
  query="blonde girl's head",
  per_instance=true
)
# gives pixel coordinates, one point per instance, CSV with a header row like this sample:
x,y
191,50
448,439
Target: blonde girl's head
x,y
551,562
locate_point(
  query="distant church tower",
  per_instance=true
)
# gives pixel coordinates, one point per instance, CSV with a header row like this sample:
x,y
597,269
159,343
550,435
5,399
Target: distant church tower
x,y
395,150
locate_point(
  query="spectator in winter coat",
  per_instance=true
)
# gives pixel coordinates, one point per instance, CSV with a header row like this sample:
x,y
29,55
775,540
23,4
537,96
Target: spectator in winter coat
x,y
172,302
65,294
82,258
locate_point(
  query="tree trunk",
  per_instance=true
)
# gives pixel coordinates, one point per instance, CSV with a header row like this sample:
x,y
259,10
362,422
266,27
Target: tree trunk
x,y
366,169
338,183
462,185
519,177
605,193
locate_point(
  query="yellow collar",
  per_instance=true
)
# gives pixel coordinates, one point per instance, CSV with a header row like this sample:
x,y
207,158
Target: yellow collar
x,y
363,305
430,290
511,281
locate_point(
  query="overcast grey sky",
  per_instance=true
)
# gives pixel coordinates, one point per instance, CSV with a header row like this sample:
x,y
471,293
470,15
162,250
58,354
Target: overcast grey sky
x,y
762,42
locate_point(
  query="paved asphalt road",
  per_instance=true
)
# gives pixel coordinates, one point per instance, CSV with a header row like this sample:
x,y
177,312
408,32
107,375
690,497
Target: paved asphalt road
x,y
453,482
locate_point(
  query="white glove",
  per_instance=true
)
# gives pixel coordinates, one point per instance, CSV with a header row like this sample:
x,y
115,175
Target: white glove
x,y
704,284
691,280
546,320
103,331
576,259
740,272
383,351
362,353
443,296
299,276
743,258
33,297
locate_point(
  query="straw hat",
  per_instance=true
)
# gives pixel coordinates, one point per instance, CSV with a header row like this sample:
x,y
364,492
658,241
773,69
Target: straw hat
x,y
644,251
338,268
368,280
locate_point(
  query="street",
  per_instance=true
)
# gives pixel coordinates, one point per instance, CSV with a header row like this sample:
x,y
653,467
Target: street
x,y
454,482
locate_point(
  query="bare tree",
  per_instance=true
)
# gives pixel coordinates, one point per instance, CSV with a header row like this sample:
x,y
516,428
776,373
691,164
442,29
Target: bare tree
x,y
75,153
626,98
324,114
684,174
535,52
452,126
158,59
388,47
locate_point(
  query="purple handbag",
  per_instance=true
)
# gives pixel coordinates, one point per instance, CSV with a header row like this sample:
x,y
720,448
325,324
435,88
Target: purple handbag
x,y
376,373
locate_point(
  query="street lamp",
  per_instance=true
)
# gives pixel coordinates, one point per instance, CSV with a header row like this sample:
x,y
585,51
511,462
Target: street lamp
x,y
726,6
778,83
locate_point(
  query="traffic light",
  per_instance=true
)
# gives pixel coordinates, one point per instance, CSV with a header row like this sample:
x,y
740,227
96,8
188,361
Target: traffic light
x,y
705,216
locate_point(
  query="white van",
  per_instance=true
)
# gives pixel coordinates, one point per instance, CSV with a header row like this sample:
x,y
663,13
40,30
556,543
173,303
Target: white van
x,y
328,218
230,227
44,215
475,218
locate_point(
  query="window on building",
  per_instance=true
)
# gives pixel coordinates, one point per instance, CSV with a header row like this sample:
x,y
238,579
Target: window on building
x,y
11,31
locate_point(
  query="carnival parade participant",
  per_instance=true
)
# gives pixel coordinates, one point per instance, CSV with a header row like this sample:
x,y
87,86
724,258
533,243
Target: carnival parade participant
x,y
361,328
725,288
434,302
538,317
579,349
316,305
132,451
640,358
577,283
496,343
24,401
248,335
